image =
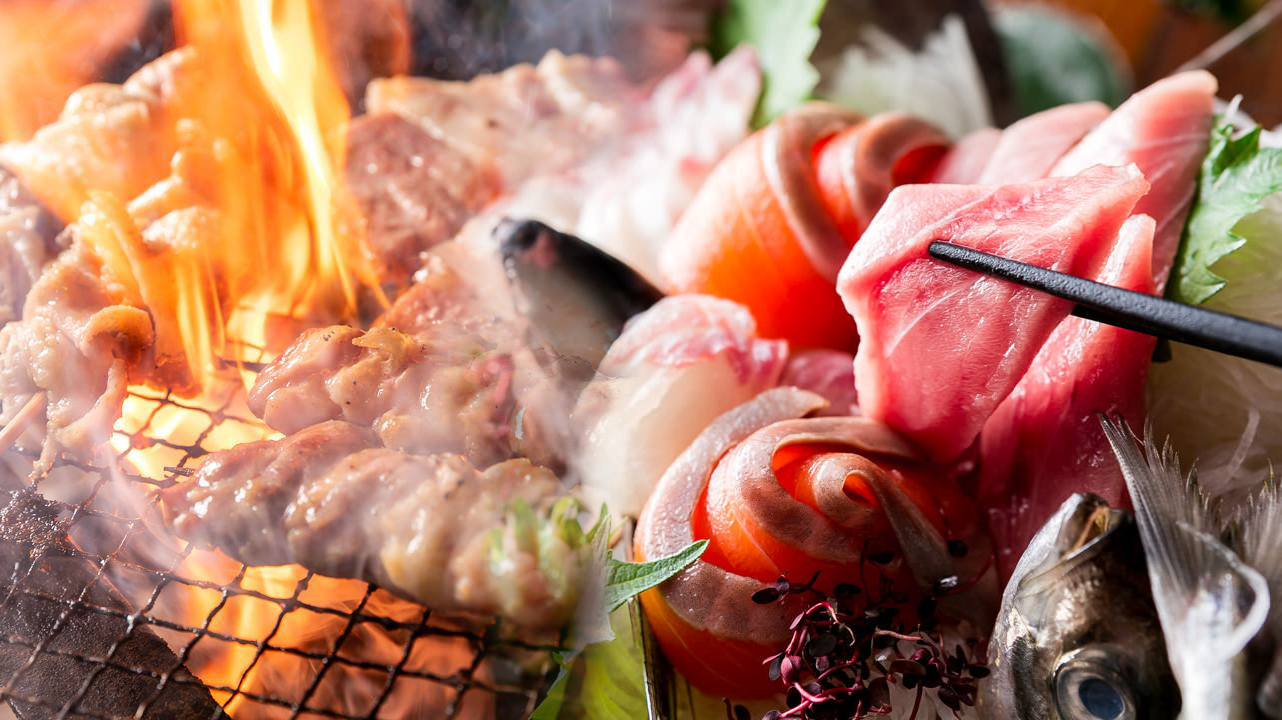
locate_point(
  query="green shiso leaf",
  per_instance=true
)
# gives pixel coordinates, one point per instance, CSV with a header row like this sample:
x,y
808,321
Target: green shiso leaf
x,y
627,580
1053,59
784,35
1236,176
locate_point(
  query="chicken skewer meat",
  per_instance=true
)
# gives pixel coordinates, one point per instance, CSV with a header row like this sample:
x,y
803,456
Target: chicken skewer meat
x,y
434,528
27,243
505,368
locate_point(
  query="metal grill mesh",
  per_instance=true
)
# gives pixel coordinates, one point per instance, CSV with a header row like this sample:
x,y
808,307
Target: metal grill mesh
x,y
320,647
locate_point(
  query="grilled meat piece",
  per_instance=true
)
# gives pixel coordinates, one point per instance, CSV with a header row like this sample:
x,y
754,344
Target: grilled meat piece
x,y
444,370
414,190
27,244
100,126
245,513
448,391
80,345
526,120
433,529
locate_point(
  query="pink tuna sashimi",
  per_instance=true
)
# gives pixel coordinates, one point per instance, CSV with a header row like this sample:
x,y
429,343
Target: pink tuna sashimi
x,y
1164,130
1029,148
942,346
965,160
1044,442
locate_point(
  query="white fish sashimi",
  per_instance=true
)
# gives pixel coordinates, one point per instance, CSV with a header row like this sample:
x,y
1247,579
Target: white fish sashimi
x,y
627,197
675,368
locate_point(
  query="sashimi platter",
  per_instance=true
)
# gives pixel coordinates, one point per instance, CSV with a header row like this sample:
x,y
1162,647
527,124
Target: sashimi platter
x,y
633,360
929,493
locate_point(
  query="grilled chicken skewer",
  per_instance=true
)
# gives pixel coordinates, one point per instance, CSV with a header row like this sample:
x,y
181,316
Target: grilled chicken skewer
x,y
434,529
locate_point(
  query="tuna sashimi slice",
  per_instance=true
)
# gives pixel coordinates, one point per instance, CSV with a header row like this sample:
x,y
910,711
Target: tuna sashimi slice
x,y
941,346
1164,130
1029,148
965,160
1044,442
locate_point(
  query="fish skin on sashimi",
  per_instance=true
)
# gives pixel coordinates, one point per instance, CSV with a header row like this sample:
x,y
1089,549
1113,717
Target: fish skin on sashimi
x,y
1044,442
1029,148
1164,130
940,346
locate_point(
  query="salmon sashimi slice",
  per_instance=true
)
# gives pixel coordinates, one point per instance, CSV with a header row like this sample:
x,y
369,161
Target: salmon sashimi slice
x,y
940,346
1044,442
1164,129
1029,148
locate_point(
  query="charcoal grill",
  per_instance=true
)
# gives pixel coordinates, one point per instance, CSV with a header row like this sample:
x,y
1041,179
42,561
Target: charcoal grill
x,y
124,593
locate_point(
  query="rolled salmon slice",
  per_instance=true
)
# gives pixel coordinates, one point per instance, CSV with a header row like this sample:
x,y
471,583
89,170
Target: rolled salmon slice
x,y
940,346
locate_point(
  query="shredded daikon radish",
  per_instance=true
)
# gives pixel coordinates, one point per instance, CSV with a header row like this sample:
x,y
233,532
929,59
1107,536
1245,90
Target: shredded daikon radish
x,y
941,83
1211,404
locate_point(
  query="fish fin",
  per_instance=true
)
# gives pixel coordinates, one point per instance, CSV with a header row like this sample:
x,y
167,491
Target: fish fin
x,y
1210,603
1164,498
1258,524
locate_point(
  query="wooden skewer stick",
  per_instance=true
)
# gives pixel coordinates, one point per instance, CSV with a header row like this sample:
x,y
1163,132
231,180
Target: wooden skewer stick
x,y
30,411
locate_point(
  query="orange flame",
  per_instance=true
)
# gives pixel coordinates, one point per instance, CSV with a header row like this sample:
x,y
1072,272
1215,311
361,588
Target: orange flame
x,y
47,50
251,236
214,197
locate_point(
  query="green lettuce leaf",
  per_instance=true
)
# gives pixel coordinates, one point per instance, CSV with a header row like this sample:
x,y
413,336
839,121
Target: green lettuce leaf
x,y
784,35
1236,176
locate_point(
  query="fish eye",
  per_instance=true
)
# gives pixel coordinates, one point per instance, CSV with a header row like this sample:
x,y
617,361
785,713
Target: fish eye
x,y
1087,689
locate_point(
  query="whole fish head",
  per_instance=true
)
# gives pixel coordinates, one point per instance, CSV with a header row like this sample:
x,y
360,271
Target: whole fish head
x,y
1077,636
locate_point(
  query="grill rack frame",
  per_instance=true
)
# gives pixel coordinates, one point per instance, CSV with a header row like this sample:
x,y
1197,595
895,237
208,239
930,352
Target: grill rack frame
x,y
485,645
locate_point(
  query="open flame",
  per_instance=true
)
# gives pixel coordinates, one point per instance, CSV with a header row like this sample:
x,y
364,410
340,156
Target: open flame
x,y
243,233
248,239
51,49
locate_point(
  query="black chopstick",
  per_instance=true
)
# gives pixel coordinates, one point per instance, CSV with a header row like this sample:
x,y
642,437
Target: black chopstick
x,y
1128,309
